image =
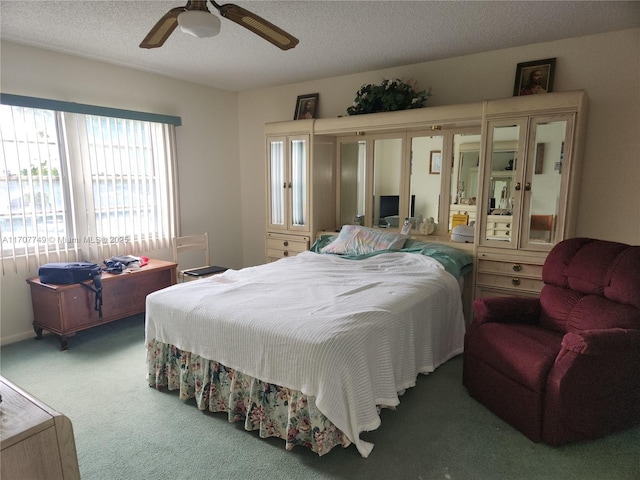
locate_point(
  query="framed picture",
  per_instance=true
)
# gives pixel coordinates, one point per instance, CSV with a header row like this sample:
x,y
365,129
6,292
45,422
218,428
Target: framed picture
x,y
435,162
534,77
306,106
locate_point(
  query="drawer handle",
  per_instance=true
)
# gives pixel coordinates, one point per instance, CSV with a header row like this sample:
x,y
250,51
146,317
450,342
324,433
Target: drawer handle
x,y
286,243
285,253
515,282
517,267
508,225
507,233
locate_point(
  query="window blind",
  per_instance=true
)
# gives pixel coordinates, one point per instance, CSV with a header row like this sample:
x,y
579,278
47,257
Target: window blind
x,y
77,186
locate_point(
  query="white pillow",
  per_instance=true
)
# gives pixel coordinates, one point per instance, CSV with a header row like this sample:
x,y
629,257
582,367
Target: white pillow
x,y
357,240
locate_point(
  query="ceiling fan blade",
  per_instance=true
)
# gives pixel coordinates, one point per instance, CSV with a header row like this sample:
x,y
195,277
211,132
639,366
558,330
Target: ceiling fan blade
x,y
161,30
257,25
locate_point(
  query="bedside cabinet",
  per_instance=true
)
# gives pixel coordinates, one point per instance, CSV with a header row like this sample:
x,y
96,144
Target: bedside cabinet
x,y
37,441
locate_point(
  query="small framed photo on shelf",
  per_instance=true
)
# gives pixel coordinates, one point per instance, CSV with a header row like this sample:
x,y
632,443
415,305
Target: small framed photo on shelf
x,y
534,77
435,162
306,106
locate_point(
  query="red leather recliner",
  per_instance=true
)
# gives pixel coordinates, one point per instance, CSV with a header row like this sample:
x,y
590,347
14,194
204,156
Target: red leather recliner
x,y
565,366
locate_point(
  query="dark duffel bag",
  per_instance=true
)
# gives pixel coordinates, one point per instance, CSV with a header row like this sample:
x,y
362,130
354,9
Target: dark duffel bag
x,y
74,272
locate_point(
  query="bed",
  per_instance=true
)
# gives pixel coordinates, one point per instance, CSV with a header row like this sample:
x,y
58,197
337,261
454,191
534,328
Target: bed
x,y
310,348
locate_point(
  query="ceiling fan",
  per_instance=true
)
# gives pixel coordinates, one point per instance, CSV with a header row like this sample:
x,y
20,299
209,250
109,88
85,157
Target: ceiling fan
x,y
196,19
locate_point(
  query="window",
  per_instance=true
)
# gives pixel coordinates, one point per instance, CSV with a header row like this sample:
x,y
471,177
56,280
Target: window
x,y
89,184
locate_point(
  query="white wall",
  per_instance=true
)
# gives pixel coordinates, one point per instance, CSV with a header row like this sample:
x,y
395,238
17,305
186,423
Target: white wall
x,y
606,66
207,142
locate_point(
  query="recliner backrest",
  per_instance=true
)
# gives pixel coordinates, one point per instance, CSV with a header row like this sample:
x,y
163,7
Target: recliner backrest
x,y
591,284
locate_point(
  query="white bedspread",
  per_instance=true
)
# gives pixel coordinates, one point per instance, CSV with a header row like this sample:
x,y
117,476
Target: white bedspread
x,y
351,333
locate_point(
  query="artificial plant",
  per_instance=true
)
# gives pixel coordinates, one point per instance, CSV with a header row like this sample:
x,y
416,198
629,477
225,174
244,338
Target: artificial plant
x,y
390,95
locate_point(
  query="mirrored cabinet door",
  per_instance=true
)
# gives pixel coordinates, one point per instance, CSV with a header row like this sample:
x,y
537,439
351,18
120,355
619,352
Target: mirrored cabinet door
x,y
388,210
503,182
545,186
525,188
426,170
464,178
352,181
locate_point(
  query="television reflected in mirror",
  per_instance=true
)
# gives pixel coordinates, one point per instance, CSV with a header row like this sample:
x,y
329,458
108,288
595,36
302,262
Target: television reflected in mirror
x,y
389,210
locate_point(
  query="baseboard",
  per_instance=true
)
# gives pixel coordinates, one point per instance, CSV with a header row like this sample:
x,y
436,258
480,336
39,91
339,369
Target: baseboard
x,y
19,337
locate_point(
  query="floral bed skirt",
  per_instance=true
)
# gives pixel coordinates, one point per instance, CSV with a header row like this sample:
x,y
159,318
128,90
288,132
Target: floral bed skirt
x,y
273,410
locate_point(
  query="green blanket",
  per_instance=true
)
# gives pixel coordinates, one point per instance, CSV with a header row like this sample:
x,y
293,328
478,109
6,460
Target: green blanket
x,y
454,261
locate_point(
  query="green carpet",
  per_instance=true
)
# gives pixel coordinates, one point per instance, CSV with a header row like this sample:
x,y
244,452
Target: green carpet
x,y
126,430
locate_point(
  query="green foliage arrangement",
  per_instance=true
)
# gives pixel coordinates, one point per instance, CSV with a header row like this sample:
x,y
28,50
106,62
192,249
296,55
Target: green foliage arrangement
x,y
388,96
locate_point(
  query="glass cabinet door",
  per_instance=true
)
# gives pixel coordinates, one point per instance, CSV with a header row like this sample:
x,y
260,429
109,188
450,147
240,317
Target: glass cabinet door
x,y
288,195
298,183
543,186
277,183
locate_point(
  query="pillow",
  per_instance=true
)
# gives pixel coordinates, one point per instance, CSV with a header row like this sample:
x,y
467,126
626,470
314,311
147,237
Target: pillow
x,y
357,240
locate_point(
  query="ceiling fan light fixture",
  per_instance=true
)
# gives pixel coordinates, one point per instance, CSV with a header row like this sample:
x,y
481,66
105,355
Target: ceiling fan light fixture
x,y
199,23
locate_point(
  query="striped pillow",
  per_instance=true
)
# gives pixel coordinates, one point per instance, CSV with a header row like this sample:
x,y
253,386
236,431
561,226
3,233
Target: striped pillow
x,y
357,240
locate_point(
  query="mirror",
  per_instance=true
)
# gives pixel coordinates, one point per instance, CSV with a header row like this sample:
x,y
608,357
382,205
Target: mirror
x,y
387,168
501,192
466,158
352,182
426,157
464,176
543,199
500,195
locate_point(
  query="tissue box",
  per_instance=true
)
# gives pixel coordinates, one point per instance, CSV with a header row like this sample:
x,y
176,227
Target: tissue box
x,y
459,219
463,233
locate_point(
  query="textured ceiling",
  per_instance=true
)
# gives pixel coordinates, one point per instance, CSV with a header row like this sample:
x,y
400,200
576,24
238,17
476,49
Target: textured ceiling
x,y
336,37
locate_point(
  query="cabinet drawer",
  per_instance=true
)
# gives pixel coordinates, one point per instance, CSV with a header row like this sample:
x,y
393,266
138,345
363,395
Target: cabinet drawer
x,y
280,246
287,244
511,282
279,253
499,229
510,268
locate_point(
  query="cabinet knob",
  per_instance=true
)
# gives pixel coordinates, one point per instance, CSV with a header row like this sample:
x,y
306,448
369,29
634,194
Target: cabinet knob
x,y
518,186
527,186
517,267
285,253
515,281
286,243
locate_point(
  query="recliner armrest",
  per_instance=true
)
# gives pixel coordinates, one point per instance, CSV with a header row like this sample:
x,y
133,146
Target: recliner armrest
x,y
506,310
602,341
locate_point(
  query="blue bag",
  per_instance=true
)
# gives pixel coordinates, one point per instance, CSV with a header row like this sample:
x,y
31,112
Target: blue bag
x,y
74,272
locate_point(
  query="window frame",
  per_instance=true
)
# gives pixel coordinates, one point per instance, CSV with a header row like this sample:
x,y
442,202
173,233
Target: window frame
x,y
77,188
